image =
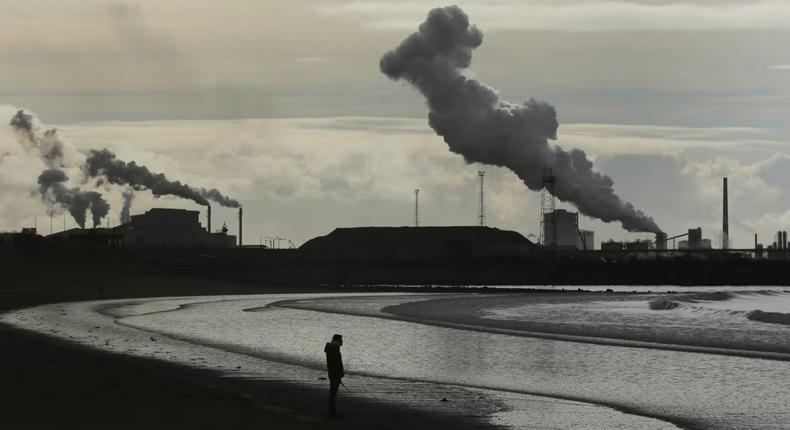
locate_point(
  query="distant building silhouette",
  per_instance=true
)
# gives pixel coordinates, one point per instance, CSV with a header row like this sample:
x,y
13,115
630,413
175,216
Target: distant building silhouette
x,y
611,245
172,228
586,240
157,228
563,226
90,238
638,245
416,244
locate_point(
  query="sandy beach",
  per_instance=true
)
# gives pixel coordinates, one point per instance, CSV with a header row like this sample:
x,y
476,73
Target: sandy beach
x,y
48,382
182,367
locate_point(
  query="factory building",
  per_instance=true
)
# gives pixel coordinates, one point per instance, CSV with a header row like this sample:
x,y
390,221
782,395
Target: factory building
x,y
612,245
586,240
638,245
780,240
695,240
561,230
99,238
172,228
157,228
661,240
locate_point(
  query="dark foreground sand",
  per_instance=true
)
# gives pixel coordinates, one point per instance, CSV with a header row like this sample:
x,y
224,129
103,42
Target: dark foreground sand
x,y
48,383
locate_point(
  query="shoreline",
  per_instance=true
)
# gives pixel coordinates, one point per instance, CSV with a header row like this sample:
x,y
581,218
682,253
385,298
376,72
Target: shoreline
x,y
50,381
288,405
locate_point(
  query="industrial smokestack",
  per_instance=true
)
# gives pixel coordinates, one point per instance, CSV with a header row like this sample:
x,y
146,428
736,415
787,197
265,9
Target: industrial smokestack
x,y
476,124
725,221
240,225
208,219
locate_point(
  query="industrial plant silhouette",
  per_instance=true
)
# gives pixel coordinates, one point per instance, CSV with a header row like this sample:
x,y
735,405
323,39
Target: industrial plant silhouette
x,y
174,241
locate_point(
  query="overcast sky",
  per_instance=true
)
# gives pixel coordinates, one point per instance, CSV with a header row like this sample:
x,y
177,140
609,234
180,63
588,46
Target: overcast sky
x,y
281,104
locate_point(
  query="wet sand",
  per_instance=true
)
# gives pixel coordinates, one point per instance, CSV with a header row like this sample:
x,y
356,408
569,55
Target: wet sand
x,y
51,383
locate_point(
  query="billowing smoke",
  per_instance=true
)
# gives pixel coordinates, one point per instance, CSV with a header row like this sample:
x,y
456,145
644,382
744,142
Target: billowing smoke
x,y
49,145
476,124
54,192
105,165
128,197
216,196
52,181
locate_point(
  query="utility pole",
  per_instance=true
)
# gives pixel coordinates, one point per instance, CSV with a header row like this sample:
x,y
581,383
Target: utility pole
x,y
417,207
482,215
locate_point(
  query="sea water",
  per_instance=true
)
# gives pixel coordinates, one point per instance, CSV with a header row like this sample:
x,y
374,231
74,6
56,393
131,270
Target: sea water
x,y
414,339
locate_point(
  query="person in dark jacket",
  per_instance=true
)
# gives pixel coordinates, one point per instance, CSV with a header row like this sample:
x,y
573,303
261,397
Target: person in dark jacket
x,y
334,365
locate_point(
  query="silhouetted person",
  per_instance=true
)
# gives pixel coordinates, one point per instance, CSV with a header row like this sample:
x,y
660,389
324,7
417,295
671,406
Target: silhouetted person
x,y
334,365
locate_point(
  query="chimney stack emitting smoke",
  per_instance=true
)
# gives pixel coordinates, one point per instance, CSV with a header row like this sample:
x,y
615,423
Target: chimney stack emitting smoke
x,y
725,221
53,191
128,198
240,225
476,124
208,218
52,181
105,165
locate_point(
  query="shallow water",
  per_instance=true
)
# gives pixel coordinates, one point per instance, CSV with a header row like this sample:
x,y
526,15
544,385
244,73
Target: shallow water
x,y
707,390
286,344
271,341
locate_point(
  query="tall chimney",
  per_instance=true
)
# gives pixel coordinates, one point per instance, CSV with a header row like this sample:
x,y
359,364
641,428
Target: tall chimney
x,y
208,217
240,225
725,222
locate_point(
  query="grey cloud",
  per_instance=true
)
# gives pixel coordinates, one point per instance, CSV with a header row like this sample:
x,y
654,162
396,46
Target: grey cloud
x,y
775,170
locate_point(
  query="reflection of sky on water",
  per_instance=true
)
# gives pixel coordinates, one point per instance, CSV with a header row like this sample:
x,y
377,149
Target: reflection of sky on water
x,y
277,334
711,390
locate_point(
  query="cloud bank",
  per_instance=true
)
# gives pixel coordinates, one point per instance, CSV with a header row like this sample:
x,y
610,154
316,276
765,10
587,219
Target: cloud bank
x,y
586,16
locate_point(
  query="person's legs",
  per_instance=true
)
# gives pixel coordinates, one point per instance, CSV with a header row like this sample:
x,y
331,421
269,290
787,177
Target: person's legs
x,y
333,388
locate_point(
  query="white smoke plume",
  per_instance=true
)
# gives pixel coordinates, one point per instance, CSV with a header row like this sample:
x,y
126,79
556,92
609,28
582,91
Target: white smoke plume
x,y
476,124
